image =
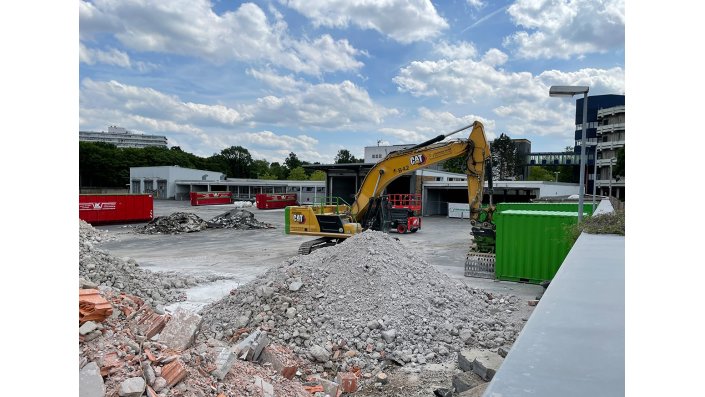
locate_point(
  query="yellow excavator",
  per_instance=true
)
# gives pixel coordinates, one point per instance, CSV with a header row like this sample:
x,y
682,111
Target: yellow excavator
x,y
333,221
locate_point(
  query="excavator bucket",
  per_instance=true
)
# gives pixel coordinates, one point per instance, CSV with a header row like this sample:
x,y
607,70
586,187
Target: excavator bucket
x,y
479,264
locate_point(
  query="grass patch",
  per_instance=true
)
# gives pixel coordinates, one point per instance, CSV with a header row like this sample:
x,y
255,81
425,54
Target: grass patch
x,y
610,223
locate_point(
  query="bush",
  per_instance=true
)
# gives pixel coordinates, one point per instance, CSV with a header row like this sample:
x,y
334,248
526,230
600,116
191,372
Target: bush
x,y
610,223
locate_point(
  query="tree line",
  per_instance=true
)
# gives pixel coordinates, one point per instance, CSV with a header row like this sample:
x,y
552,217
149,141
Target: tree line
x,y
105,165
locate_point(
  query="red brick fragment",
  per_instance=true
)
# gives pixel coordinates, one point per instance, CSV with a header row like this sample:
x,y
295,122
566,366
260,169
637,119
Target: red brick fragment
x,y
174,372
151,392
347,381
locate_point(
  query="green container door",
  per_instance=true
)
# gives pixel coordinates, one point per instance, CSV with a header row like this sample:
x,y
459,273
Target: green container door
x,y
531,245
561,207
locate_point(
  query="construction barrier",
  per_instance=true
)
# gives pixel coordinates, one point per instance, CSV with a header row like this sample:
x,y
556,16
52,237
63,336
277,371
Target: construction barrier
x,y
115,208
271,201
211,198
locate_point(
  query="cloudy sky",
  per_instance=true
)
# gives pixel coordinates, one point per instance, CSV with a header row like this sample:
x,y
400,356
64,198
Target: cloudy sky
x,y
316,76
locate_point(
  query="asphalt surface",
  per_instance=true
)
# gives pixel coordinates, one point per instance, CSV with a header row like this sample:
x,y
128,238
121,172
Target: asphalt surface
x,y
245,254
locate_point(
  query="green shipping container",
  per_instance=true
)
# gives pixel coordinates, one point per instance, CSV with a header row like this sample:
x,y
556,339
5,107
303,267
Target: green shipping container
x,y
562,207
531,245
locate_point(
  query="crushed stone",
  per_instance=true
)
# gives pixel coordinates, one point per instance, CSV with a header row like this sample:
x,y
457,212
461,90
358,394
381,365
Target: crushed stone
x,y
362,304
178,222
238,219
98,268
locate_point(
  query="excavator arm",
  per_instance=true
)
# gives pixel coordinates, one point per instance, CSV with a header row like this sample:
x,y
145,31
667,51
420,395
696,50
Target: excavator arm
x,y
475,150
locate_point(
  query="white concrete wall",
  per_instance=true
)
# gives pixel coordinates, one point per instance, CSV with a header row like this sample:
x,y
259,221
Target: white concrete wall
x,y
148,177
549,189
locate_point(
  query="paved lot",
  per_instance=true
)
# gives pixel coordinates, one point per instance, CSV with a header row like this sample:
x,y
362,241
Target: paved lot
x,y
244,254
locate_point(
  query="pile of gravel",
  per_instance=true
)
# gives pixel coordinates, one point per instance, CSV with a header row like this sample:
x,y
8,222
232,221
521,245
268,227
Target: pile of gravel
x,y
361,302
178,222
238,219
97,267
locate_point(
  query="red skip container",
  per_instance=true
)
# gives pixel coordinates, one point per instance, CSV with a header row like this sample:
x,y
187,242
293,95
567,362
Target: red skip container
x,y
115,208
210,198
271,201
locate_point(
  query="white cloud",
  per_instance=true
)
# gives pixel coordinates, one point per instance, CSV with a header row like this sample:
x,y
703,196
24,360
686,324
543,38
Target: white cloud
x,y
466,80
405,21
192,28
562,29
334,106
278,82
92,56
476,3
430,123
403,136
461,50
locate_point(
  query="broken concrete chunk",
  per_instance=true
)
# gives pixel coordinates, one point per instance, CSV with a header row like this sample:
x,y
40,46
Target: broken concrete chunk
x,y
159,384
503,351
279,363
181,330
487,364
266,387
251,348
466,358
149,374
87,328
319,353
295,286
382,378
90,383
132,387
224,361
476,391
389,335
466,381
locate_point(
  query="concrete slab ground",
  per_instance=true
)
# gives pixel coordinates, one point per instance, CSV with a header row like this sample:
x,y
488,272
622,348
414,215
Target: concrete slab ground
x,y
245,254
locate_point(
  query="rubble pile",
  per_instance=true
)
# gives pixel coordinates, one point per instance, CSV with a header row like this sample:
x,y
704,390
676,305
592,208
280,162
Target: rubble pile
x,y
136,351
238,219
178,222
362,304
97,267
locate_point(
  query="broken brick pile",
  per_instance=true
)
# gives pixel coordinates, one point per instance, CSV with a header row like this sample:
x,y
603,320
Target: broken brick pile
x,y
98,268
136,351
362,304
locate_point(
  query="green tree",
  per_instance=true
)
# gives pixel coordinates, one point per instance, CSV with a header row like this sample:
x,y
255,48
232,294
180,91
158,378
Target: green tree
x,y
344,157
277,170
292,161
297,174
268,176
456,164
259,168
618,169
504,158
239,161
318,175
541,174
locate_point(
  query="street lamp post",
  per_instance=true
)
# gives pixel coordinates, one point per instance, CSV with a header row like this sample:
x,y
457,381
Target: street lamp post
x,y
611,159
561,91
594,176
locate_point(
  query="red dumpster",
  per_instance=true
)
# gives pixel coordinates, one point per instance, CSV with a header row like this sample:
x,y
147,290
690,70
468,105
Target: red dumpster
x,y
271,201
210,198
115,208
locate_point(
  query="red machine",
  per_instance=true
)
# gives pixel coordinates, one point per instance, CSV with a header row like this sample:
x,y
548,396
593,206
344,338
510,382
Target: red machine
x,y
404,211
115,208
271,201
211,198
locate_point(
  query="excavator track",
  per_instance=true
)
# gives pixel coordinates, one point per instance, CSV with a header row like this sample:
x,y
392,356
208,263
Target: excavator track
x,y
310,246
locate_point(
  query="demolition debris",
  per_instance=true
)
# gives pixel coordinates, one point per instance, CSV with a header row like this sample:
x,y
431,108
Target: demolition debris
x,y
364,302
185,222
